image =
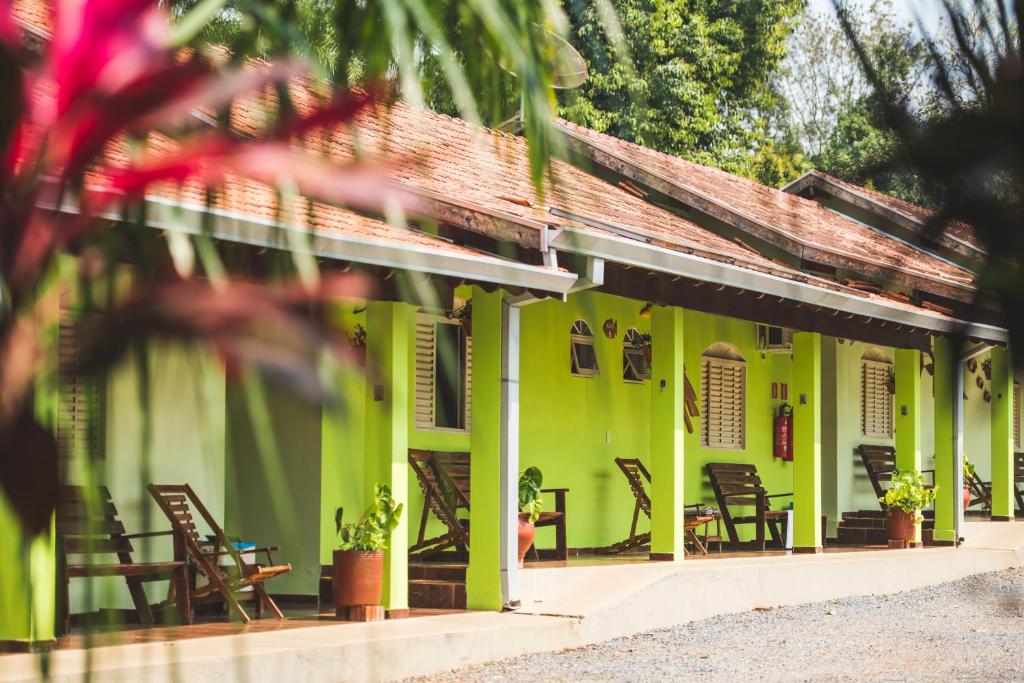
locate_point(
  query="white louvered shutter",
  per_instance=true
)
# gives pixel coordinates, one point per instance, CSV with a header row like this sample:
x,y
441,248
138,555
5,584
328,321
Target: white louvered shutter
x,y
79,407
875,400
424,397
1016,416
723,390
469,381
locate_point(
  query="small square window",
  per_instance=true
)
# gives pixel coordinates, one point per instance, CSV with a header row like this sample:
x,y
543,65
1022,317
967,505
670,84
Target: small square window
x,y
583,358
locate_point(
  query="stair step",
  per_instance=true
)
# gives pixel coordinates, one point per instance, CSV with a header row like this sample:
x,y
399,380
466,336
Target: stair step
x,y
432,594
438,571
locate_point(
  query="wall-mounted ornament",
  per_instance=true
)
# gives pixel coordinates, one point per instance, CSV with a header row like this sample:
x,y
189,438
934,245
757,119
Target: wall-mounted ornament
x,y
980,382
986,367
972,365
891,382
987,396
610,328
927,364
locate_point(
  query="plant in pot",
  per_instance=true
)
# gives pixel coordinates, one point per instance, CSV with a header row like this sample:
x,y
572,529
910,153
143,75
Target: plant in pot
x,y
530,481
968,476
904,500
644,344
359,557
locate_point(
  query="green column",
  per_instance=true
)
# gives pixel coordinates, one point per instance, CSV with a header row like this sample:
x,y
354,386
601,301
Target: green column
x,y
388,330
807,442
908,414
667,430
945,393
483,577
1002,435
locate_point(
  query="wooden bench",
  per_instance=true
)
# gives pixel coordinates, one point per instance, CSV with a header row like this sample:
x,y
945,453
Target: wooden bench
x,y
88,529
738,485
177,501
444,478
639,478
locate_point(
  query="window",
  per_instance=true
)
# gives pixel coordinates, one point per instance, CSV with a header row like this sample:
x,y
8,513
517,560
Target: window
x,y
875,398
724,398
772,339
636,356
444,361
80,397
583,359
1016,416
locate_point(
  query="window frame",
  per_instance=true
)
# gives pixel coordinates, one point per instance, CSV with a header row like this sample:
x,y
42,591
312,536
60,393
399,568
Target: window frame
x,y
631,349
583,335
433,320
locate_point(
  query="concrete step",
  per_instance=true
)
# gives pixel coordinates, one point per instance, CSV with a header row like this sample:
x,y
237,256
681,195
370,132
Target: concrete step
x,y
438,571
434,594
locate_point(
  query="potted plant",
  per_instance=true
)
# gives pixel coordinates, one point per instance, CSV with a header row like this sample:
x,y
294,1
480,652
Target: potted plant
x,y
359,557
357,340
530,481
464,314
904,500
968,476
644,344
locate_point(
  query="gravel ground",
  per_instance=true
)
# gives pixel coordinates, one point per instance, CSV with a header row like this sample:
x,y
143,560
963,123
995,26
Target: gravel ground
x,y
968,630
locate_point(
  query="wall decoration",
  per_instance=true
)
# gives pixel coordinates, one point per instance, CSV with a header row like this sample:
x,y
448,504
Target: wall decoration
x,y
986,367
980,382
987,396
972,365
610,328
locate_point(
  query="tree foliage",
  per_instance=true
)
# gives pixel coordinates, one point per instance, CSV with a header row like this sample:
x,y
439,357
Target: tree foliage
x,y
687,77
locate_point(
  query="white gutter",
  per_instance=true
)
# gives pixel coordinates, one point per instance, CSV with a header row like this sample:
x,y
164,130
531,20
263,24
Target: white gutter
x,y
170,215
635,253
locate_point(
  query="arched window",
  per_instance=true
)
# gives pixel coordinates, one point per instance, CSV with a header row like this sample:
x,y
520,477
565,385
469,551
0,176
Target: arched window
x,y
583,359
636,356
876,402
723,397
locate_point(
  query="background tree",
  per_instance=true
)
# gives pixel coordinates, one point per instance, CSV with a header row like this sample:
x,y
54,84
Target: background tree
x,y
689,77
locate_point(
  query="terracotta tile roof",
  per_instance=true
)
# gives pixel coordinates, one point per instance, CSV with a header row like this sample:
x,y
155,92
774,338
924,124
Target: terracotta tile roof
x,y
33,14
959,230
809,230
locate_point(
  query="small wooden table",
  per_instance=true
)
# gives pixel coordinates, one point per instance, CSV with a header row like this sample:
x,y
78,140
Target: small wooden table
x,y
703,518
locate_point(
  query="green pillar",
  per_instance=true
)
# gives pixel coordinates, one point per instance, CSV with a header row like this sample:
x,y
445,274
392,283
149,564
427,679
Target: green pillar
x,y
908,414
389,327
945,394
483,576
807,442
667,430
1002,435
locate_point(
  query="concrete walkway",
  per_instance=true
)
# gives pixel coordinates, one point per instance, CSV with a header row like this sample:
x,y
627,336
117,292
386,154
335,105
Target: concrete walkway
x,y
565,607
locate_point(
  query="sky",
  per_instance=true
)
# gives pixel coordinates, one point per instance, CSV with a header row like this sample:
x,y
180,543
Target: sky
x,y
930,11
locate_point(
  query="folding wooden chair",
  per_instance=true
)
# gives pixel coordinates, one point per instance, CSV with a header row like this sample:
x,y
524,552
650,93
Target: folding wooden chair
x,y
639,479
87,526
737,485
177,501
444,479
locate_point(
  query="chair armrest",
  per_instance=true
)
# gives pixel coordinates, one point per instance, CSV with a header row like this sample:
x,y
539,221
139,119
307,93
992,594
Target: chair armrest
x,y
554,490
559,498
149,534
779,495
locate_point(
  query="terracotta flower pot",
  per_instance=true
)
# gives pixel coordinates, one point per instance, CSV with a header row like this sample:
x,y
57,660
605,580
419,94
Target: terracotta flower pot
x,y
900,524
358,577
967,497
526,533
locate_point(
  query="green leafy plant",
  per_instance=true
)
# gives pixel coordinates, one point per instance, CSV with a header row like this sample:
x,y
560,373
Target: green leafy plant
x,y
373,530
908,493
530,481
968,470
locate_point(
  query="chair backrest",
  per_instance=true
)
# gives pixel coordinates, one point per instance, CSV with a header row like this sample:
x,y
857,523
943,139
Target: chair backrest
x,y
734,484
87,523
1018,468
177,502
636,474
879,463
444,478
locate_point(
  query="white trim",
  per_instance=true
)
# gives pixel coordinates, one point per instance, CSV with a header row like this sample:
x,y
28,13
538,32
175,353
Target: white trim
x,y
635,253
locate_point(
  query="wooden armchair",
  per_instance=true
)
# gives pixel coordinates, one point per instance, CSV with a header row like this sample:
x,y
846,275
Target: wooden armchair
x,y
879,463
738,485
87,526
444,479
639,479
1018,480
178,502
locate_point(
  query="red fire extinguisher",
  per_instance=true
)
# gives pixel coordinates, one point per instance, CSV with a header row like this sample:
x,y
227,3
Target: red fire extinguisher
x,y
784,432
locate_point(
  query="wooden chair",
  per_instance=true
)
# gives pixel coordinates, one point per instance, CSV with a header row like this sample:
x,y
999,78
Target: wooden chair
x,y
879,463
444,479
177,502
639,479
737,485
87,527
981,491
1018,480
